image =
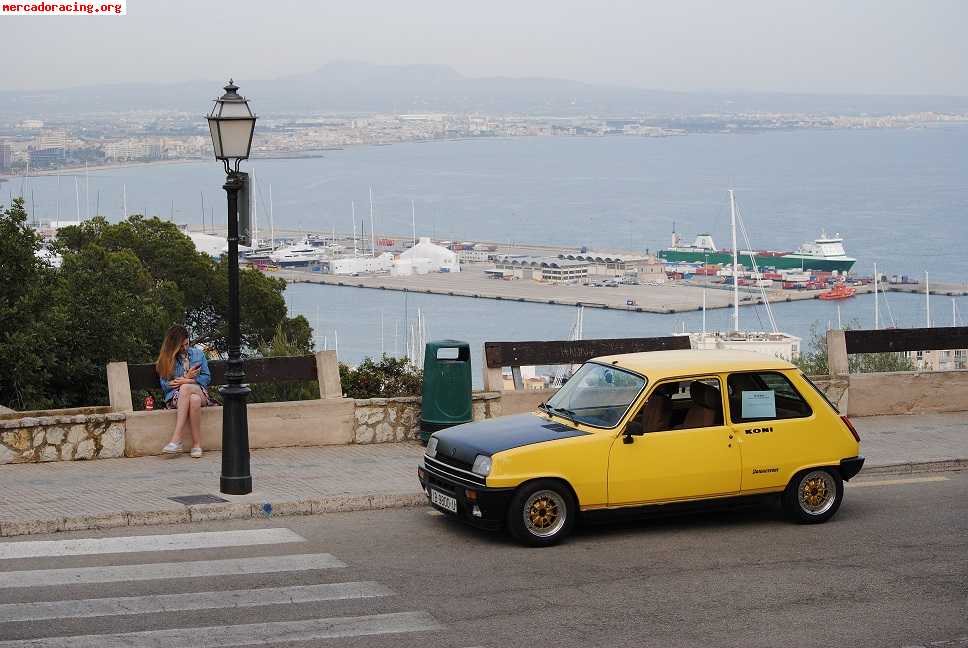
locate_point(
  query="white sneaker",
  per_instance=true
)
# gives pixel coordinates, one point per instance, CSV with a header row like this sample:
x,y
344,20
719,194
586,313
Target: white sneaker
x,y
172,448
196,453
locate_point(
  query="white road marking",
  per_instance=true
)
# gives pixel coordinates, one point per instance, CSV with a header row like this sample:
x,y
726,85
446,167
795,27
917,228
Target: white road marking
x,y
130,544
258,634
192,601
158,571
433,513
897,482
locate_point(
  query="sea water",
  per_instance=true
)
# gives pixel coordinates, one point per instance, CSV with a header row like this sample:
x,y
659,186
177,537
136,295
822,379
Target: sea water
x,y
898,198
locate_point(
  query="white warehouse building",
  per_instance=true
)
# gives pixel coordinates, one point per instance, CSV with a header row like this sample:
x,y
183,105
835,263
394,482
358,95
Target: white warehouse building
x,y
361,265
427,257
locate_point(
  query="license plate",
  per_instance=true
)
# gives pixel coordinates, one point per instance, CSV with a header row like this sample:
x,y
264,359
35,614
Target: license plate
x,y
443,501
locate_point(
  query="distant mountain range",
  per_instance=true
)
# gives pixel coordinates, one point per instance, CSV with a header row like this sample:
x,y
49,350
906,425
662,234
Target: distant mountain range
x,y
365,87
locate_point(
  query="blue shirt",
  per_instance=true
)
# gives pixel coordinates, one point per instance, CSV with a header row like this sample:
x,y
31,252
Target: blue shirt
x,y
195,357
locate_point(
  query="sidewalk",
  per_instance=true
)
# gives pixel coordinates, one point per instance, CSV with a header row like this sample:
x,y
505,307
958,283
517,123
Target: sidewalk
x,y
107,493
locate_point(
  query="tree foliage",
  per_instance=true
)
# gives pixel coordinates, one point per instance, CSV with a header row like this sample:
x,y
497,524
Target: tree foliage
x,y
383,378
813,358
293,338
119,288
30,328
195,283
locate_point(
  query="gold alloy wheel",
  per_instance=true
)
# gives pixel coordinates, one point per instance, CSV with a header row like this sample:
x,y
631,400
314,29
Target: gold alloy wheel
x,y
817,492
544,513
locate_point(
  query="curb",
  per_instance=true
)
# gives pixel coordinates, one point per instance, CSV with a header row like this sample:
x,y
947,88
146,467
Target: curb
x,y
906,467
210,512
318,506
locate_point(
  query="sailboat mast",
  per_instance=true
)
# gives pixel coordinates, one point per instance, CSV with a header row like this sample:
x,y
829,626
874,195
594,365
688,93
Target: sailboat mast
x,y
272,222
77,199
732,220
124,201
927,299
254,187
353,208
87,191
413,220
372,237
877,314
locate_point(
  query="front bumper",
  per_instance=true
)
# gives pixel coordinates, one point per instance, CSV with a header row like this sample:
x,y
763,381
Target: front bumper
x,y
478,505
850,467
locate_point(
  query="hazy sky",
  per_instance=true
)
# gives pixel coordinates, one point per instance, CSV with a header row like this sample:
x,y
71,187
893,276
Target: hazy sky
x,y
851,46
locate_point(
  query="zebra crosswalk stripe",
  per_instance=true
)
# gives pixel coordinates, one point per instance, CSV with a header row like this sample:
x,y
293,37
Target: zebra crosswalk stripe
x,y
166,570
257,634
130,544
226,599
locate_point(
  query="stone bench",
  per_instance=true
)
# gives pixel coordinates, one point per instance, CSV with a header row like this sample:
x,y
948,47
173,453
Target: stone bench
x,y
326,421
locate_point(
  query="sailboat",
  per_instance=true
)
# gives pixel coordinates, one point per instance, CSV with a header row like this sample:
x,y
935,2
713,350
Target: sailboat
x,y
562,372
773,342
417,340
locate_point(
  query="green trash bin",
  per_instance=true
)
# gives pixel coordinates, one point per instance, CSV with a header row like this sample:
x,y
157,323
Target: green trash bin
x,y
446,394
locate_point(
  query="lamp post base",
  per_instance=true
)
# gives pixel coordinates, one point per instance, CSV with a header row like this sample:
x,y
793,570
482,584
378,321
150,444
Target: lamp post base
x,y
235,485
236,477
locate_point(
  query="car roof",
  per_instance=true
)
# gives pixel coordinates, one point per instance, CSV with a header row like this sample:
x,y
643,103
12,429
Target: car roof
x,y
662,364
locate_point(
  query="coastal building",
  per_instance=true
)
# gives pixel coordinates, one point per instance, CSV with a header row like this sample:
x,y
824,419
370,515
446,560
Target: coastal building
x,y
547,269
6,156
360,265
473,256
632,268
946,360
429,255
213,246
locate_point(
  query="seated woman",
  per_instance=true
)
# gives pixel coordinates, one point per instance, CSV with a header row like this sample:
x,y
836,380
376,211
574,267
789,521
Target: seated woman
x,y
184,377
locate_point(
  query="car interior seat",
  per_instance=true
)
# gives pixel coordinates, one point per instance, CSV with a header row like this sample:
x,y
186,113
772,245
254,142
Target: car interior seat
x,y
706,408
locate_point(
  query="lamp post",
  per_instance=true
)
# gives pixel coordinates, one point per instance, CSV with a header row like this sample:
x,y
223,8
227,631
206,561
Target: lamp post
x,y
232,124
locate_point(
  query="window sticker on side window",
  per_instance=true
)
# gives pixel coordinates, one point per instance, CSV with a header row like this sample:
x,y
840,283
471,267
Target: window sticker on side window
x,y
759,404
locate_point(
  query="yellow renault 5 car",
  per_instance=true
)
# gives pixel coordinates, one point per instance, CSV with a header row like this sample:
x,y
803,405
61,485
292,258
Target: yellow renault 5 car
x,y
648,430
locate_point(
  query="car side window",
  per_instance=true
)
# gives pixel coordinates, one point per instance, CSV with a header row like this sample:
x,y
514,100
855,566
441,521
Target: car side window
x,y
764,396
681,405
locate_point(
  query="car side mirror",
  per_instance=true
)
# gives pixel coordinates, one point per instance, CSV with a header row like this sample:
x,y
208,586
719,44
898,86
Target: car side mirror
x,y
632,429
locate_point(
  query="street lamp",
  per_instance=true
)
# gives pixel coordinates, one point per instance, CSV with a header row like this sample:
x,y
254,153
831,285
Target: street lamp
x,y
232,124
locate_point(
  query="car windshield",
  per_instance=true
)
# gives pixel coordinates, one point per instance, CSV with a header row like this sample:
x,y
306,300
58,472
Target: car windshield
x,y
596,395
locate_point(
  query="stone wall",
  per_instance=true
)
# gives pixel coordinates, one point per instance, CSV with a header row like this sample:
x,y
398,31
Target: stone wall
x,y
91,433
387,420
62,438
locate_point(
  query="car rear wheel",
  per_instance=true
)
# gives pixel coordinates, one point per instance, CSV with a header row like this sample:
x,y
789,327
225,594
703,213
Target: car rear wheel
x,y
813,495
541,513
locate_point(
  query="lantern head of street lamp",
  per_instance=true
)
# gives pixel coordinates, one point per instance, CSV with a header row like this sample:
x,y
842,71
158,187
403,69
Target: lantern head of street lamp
x,y
232,124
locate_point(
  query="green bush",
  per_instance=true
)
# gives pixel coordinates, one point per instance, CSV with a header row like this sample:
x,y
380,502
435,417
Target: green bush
x,y
385,378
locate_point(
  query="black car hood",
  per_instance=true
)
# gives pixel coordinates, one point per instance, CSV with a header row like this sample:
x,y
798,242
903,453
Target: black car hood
x,y
465,442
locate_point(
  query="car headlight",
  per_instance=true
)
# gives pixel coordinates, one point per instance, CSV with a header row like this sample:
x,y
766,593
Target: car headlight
x,y
482,465
431,447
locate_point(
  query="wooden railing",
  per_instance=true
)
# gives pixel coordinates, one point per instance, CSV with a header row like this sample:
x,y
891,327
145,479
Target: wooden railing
x,y
840,344
515,355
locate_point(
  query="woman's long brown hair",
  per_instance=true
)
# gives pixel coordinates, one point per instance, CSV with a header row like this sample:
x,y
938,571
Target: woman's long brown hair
x,y
165,365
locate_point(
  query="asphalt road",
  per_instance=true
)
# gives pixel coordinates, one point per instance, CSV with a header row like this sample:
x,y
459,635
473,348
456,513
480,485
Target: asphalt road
x,y
890,570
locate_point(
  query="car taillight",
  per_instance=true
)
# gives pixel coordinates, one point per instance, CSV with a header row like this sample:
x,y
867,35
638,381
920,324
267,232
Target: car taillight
x,y
850,426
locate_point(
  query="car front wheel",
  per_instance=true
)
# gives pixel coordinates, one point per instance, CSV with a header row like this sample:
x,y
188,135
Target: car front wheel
x,y
541,513
813,495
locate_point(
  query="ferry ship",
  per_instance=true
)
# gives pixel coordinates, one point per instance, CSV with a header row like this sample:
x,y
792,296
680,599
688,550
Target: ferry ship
x,y
825,253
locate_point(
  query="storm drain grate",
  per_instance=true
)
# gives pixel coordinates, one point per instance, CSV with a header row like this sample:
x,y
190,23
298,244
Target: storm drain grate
x,y
188,500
